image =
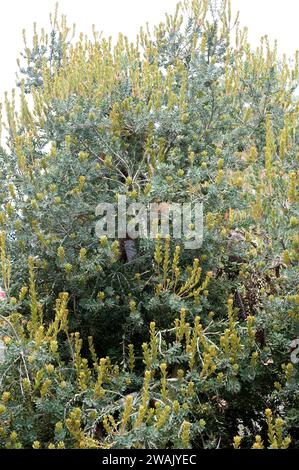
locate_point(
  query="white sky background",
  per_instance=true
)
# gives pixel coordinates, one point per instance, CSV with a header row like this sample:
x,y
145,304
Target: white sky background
x,y
277,18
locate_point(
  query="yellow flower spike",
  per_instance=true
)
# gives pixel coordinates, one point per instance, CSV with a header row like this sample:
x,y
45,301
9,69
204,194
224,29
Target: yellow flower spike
x,y
101,371
237,442
153,341
129,181
253,154
158,409
115,371
196,298
225,342
144,403
258,444
12,191
258,207
159,288
2,409
289,371
185,436
140,416
254,358
176,259
271,430
197,326
68,268
68,141
269,147
126,413
235,345
5,262
10,209
145,390
181,325
58,427
17,225
33,297
45,387
147,189
13,436
133,306
107,426
82,180
251,332
279,432
220,164
82,254
53,152
282,144
180,375
206,364
187,335
73,423
185,406
158,252
108,161
202,423
286,442
278,386
193,346
50,368
292,191
5,397
26,384
203,44
166,258
103,241
163,417
23,293
146,356
163,368
191,157
150,415
176,407
220,377
231,315
190,389
61,254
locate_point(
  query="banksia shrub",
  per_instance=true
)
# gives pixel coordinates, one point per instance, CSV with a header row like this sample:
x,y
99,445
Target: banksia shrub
x,y
132,343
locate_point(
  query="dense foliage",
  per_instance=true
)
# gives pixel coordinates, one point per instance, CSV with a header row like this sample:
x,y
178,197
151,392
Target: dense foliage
x,y
168,348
